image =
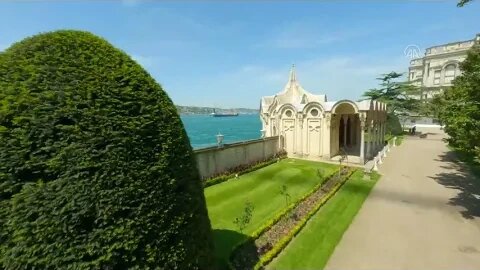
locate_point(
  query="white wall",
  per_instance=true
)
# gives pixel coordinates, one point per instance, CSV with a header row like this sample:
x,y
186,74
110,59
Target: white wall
x,y
214,160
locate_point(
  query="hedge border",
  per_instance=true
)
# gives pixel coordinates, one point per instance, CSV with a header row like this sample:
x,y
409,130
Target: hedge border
x,y
283,213
282,243
225,177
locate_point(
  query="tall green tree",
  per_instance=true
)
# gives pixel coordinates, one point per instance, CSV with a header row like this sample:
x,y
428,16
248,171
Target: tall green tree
x,y
461,109
433,107
398,95
462,3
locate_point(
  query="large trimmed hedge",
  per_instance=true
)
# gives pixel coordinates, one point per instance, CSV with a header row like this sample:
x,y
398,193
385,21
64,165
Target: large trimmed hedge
x,y
96,170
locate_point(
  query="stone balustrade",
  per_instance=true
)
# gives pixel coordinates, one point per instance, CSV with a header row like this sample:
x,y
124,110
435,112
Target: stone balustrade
x,y
382,154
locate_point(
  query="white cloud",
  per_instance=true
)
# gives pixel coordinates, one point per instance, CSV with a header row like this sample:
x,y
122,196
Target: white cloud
x,y
346,77
338,77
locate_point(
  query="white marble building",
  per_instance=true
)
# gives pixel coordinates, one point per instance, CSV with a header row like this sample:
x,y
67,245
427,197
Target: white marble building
x,y
440,65
311,127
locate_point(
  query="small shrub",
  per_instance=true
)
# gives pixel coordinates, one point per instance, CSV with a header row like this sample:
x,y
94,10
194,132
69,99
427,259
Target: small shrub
x,y
243,221
285,194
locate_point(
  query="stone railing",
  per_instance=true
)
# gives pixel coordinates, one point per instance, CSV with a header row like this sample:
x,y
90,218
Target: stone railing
x,y
450,47
382,154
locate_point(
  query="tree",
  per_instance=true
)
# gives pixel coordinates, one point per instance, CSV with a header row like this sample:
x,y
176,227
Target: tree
x,y
96,169
460,109
462,3
285,194
244,219
433,107
397,94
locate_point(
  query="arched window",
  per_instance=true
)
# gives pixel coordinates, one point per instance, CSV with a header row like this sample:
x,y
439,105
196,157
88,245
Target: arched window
x,y
436,77
449,73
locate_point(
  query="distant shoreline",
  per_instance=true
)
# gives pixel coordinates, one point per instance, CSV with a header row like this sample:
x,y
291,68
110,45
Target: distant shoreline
x,y
207,114
194,110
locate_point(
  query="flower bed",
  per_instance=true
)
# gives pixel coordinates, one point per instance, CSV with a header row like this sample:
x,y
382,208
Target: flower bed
x,y
276,235
243,169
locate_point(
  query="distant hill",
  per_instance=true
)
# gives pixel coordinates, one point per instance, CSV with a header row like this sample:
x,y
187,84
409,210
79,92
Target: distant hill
x,y
209,110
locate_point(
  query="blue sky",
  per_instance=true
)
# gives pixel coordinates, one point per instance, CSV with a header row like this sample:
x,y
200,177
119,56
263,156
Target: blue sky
x,y
229,54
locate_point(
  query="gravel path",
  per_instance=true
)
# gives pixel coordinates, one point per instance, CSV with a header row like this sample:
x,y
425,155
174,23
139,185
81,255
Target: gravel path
x,y
423,214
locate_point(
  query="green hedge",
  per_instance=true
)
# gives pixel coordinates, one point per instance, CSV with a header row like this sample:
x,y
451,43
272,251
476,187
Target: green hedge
x,y
393,125
96,170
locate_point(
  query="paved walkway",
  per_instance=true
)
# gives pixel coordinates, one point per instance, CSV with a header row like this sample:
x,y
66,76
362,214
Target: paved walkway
x,y
423,214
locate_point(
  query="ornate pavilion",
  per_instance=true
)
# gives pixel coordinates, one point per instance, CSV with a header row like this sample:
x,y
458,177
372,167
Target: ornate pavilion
x,y
311,127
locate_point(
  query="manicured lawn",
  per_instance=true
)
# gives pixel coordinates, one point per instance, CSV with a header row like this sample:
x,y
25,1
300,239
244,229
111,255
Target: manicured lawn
x,y
316,242
262,187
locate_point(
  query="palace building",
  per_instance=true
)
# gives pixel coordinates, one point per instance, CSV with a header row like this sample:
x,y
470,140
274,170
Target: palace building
x,y
310,127
438,67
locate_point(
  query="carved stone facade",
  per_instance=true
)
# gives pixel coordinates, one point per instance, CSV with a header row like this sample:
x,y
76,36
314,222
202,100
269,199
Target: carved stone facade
x,y
440,65
311,127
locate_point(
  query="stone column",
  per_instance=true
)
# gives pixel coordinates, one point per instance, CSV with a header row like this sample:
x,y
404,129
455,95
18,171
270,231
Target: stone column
x,y
362,139
300,125
327,139
370,140
345,122
384,130
379,133
380,128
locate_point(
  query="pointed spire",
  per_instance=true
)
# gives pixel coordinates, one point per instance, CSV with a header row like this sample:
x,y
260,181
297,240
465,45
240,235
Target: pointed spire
x,y
293,75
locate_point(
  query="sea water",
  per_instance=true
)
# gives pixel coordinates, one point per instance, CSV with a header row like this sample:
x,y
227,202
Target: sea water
x,y
202,129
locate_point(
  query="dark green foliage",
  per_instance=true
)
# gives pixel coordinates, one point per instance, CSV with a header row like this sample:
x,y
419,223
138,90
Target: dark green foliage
x,y
460,106
462,3
395,93
394,126
96,170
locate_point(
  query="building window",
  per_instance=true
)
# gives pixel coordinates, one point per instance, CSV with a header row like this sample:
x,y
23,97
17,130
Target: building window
x,y
288,113
314,112
436,77
412,75
449,73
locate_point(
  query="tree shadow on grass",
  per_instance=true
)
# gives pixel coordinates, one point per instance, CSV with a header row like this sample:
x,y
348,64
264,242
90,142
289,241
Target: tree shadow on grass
x,y
225,241
463,179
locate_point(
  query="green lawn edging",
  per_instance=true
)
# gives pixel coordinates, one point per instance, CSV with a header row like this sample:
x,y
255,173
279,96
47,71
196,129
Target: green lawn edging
x,y
281,214
389,139
269,256
284,241
261,187
325,229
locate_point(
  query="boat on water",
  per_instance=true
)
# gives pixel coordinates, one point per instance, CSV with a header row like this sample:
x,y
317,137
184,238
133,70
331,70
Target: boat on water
x,y
217,114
